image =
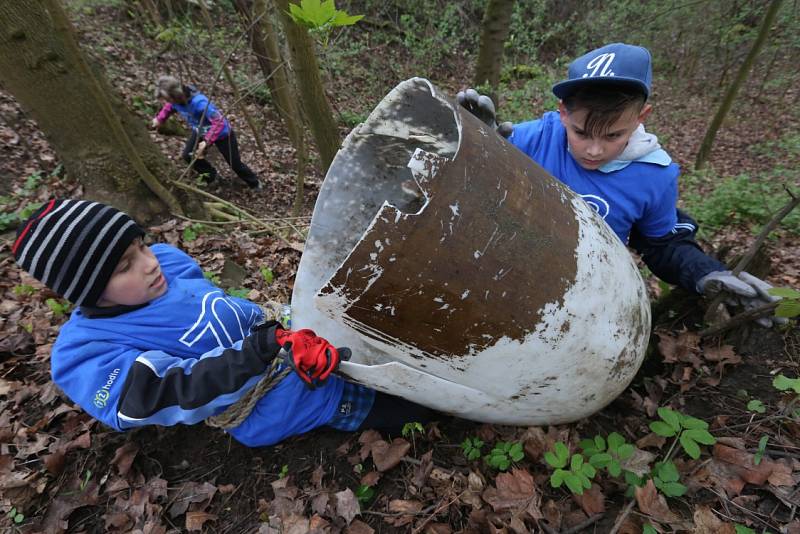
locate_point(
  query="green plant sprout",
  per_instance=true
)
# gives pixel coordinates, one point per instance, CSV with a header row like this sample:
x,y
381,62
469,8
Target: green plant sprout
x,y
86,477
578,477
607,455
267,275
24,290
741,529
284,472
59,309
688,431
191,232
471,448
784,383
212,277
665,477
756,406
364,494
15,515
409,429
647,528
789,305
238,292
503,454
321,17
762,448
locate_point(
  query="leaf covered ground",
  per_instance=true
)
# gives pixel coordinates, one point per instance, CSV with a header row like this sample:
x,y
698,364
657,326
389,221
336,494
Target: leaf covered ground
x,y
60,471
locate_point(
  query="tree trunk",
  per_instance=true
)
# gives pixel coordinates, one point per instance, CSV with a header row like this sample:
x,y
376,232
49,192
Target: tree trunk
x,y
101,143
494,31
317,109
264,40
733,89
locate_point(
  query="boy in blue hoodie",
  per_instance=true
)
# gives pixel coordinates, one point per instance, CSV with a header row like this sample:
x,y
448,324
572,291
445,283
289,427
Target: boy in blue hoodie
x,y
151,341
596,144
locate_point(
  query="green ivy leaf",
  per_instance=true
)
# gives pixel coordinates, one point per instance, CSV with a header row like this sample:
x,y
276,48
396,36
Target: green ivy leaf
x,y
614,468
553,461
600,460
688,444
788,308
625,451
662,429
785,292
562,452
600,443
573,483
700,436
673,489
693,423
671,417
588,471
784,383
576,462
557,478
667,471
756,406
615,441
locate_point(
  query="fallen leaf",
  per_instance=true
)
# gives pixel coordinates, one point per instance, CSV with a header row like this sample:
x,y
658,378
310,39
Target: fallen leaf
x,y
370,479
405,507
359,527
63,505
776,472
438,528
423,470
706,522
347,505
639,462
124,456
319,504
592,501
386,455
514,491
196,520
654,504
651,440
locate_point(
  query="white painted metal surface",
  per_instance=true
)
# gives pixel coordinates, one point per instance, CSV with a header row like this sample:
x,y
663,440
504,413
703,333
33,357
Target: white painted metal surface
x,y
578,352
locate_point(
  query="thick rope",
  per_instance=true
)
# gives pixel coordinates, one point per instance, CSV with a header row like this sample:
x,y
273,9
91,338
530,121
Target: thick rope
x,y
237,412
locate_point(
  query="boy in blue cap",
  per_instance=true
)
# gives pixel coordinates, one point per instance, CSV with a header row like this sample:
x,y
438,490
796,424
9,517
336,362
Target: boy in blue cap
x,y
152,342
596,144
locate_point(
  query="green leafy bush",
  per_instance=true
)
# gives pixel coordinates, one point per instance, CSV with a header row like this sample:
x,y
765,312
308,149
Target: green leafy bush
x,y
689,430
503,454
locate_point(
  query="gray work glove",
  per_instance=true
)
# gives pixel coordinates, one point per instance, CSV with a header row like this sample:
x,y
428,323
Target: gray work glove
x,y
482,107
745,290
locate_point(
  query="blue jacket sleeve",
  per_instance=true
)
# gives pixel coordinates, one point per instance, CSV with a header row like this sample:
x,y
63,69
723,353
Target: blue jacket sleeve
x,y
676,257
167,390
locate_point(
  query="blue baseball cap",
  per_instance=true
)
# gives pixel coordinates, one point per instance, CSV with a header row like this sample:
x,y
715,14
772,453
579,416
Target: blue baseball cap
x,y
616,63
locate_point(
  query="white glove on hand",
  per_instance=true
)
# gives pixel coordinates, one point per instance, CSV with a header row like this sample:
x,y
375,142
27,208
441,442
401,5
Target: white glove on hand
x,y
745,290
200,153
482,107
154,124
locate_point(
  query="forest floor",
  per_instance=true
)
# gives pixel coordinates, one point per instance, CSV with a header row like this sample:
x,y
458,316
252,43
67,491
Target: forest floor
x,y
61,471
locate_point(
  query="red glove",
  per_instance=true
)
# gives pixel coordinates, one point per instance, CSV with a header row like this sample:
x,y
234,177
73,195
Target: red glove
x,y
312,356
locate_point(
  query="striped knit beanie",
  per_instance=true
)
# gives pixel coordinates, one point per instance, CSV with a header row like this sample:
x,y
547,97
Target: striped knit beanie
x,y
73,247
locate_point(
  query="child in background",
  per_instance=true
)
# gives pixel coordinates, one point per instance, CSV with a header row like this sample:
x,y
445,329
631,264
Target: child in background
x,y
151,341
205,120
596,144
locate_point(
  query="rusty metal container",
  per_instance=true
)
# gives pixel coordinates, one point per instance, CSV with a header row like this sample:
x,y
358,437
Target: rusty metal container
x,y
463,276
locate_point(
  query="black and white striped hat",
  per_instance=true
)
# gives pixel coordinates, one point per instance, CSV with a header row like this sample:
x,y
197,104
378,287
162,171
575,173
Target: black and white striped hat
x,y
73,247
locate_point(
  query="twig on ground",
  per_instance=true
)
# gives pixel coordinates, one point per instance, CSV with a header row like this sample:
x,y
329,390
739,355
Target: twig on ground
x,y
580,526
622,516
436,511
741,318
235,208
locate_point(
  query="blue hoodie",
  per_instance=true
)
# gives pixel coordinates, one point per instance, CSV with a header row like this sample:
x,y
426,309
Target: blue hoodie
x,y
183,357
